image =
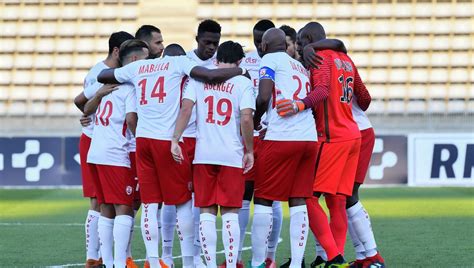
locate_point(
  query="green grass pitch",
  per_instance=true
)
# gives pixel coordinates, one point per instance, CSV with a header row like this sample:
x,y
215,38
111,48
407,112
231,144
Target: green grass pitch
x,y
414,227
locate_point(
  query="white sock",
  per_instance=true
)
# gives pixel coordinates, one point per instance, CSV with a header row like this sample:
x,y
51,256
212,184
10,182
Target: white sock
x,y
150,232
276,229
185,229
92,235
122,226
360,221
208,233
168,224
298,234
231,238
106,236
244,214
130,241
261,229
358,246
197,236
320,250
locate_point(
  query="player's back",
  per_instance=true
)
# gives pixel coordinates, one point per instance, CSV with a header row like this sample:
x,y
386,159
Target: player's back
x,y
291,82
251,62
91,85
218,108
110,144
158,91
334,118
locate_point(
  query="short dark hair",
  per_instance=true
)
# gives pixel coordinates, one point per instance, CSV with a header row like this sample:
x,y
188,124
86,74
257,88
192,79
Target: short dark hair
x,y
263,25
209,26
174,50
145,31
131,46
230,52
116,39
289,31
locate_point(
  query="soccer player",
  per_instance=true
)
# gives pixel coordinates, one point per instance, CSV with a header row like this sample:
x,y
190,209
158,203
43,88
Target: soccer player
x,y
158,86
333,86
115,112
89,190
252,63
285,165
290,34
207,39
224,119
152,36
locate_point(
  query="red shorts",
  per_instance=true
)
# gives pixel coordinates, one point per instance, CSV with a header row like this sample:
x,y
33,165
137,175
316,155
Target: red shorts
x,y
190,147
336,167
161,179
250,176
285,169
88,185
218,185
133,171
115,185
366,147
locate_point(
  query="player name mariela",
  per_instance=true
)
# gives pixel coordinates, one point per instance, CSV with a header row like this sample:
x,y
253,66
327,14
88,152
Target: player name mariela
x,y
151,68
224,87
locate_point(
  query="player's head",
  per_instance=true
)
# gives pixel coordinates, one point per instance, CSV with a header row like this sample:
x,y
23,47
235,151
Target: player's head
x,y
174,50
132,50
311,32
273,40
258,30
229,54
208,37
152,36
290,40
115,40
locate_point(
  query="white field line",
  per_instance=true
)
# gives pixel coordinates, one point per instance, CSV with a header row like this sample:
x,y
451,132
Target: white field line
x,y
81,225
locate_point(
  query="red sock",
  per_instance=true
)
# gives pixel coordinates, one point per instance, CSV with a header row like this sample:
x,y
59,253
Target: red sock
x,y
318,222
338,219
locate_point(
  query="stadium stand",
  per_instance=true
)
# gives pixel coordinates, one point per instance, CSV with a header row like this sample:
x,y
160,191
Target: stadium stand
x,y
416,57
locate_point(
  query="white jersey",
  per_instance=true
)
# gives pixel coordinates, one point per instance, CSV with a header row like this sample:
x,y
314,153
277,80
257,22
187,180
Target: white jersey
x,y
291,82
251,62
132,141
218,106
360,117
158,91
210,63
109,144
91,86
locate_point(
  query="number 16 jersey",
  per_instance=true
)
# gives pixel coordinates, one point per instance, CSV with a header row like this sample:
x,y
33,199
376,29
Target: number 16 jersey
x,y
158,89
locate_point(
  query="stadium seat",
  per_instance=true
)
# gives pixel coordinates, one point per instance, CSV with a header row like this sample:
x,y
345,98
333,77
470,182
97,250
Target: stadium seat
x,y
6,62
4,94
396,92
57,109
39,93
437,106
5,77
456,106
416,107
37,108
42,77
376,107
395,107
17,108
3,108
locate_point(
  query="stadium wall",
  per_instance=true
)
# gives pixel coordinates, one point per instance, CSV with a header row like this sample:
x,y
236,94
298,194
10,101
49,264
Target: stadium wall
x,y
414,160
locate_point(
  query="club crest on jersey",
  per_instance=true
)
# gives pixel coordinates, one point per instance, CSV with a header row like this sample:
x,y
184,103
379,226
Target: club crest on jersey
x,y
129,190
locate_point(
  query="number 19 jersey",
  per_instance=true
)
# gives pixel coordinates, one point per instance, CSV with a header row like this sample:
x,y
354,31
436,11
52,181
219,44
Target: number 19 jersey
x,y
218,106
158,89
291,82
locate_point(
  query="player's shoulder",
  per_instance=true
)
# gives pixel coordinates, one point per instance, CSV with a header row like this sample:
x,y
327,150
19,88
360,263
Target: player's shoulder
x,y
251,58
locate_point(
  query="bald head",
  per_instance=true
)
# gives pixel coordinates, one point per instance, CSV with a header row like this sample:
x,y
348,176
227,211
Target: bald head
x,y
314,31
273,40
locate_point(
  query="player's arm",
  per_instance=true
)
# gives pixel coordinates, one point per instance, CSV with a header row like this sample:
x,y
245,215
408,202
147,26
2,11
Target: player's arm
x,y
321,79
309,51
91,105
265,88
246,127
80,100
361,92
181,124
107,76
131,119
217,75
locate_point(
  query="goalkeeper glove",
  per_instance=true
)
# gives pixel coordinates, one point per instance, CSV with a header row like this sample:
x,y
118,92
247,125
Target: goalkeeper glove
x,y
287,107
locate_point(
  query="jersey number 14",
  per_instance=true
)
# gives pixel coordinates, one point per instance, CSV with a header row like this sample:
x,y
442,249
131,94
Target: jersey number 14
x,y
157,92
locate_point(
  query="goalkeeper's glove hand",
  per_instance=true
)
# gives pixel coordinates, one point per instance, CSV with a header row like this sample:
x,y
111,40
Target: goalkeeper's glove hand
x,y
287,107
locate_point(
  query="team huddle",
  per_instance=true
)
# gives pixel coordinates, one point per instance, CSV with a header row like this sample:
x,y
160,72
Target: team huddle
x,y
184,135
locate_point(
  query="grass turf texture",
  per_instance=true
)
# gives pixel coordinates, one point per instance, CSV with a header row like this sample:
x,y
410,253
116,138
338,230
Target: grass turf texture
x,y
414,227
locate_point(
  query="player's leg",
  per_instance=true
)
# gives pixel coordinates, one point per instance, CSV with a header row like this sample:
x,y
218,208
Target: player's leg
x,y
122,224
136,207
93,214
360,227
338,218
261,229
230,235
176,179
244,214
151,197
324,182
277,218
208,234
299,227
106,233
168,225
